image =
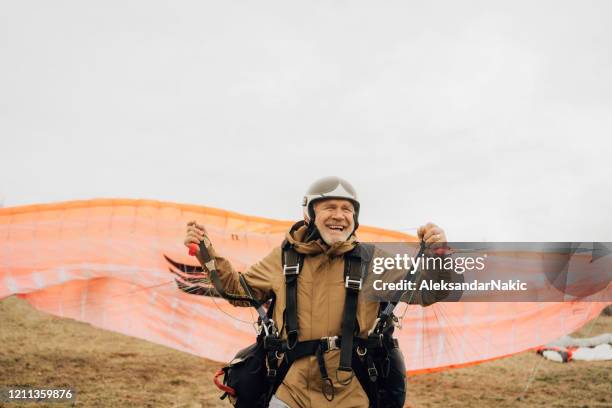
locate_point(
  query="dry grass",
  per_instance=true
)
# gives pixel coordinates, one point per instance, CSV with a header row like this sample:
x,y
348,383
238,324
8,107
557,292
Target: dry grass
x,y
109,369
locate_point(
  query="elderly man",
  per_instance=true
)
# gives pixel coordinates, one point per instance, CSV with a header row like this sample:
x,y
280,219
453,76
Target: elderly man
x,y
316,302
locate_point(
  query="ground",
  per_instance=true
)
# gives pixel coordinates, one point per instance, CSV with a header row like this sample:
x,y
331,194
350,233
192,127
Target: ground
x,y
112,370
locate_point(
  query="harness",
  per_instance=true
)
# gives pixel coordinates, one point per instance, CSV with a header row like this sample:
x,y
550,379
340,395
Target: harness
x,y
373,360
355,264
368,359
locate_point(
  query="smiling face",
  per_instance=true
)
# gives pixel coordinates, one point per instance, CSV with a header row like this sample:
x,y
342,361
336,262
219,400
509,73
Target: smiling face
x,y
334,218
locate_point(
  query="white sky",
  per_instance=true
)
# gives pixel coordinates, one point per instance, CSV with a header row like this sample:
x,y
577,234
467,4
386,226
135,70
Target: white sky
x,y
492,119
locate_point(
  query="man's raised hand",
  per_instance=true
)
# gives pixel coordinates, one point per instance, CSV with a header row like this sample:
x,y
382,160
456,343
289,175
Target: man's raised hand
x,y
195,234
433,235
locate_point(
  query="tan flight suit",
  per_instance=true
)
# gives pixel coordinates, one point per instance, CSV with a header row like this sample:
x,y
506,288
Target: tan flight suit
x,y
320,300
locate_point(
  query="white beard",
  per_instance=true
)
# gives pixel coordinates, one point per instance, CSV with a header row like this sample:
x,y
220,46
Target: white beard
x,y
330,240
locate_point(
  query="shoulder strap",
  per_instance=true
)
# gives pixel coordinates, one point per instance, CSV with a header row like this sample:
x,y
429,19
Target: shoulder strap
x,y
292,262
355,264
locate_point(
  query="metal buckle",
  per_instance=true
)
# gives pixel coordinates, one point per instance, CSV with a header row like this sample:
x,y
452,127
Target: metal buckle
x,y
397,322
270,328
210,265
331,343
352,284
291,270
372,372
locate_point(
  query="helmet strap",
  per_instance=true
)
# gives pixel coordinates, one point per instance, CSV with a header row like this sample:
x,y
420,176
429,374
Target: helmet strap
x,y
312,232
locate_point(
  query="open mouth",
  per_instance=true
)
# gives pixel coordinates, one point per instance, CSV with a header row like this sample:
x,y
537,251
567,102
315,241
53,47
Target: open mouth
x,y
338,228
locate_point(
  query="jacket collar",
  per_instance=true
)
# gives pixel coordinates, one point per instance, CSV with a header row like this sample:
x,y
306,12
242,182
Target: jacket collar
x,y
297,234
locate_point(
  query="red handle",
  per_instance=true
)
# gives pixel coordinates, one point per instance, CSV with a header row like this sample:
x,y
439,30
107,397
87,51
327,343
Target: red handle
x,y
223,387
193,249
442,251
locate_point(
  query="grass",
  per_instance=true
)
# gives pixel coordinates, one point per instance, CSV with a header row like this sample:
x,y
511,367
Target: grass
x,y
112,370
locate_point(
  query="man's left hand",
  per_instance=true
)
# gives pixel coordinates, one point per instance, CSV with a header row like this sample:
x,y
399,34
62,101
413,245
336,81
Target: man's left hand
x,y
433,235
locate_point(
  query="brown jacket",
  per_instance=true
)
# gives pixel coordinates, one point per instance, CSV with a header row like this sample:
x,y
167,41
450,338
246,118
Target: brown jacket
x,y
320,300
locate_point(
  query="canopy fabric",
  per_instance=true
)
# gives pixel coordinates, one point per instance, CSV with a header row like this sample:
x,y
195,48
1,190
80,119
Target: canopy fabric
x,y
104,262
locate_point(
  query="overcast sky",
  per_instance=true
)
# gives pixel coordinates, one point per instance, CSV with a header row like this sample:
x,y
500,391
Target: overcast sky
x,y
492,119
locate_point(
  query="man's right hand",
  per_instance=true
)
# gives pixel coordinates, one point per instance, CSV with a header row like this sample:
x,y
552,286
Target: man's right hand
x,y
195,234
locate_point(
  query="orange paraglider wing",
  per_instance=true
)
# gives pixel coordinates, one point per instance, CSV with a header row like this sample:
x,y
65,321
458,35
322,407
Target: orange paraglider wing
x,y
108,263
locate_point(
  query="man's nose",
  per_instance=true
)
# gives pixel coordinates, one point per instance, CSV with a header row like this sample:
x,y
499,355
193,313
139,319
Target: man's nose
x,y
337,214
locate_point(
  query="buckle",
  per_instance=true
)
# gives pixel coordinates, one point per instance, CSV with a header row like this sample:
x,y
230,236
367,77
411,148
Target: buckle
x,y
352,283
271,372
210,265
291,270
269,329
396,321
372,372
331,343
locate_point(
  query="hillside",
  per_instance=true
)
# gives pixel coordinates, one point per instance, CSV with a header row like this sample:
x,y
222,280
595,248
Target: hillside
x,y
109,369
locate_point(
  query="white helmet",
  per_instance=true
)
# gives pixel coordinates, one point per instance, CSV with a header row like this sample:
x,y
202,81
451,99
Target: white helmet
x,y
329,187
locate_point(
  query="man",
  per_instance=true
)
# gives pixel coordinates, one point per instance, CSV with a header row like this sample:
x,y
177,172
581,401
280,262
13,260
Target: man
x,y
322,240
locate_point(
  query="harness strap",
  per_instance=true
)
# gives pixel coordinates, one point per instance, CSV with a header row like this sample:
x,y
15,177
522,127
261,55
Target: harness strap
x,y
308,347
354,271
276,372
210,264
263,314
385,316
292,262
372,371
327,386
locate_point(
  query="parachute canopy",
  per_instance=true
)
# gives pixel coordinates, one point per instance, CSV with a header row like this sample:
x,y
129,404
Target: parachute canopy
x,y
109,262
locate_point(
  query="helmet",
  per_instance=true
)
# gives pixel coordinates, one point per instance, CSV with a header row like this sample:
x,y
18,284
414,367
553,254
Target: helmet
x,y
329,187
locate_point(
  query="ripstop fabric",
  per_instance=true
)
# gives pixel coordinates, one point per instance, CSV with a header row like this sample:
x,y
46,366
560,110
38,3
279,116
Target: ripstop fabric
x,y
104,262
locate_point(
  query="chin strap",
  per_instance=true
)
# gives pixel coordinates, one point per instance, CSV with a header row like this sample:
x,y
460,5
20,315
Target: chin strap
x,y
312,232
